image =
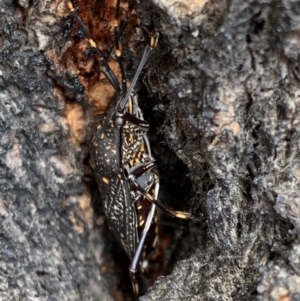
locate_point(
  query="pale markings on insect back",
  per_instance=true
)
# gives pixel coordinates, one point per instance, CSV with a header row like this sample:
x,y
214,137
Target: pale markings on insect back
x,y
105,180
116,208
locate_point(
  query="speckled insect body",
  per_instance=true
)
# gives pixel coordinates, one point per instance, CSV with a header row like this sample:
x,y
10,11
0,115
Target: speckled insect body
x,y
117,152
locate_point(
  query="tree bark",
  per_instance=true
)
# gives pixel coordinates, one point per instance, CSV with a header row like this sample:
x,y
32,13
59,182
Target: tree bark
x,y
224,108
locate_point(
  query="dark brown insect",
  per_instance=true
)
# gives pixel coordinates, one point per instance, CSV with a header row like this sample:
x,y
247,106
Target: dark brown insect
x,y
122,161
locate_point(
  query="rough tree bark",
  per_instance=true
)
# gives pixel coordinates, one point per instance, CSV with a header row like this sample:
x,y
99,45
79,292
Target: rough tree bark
x,y
224,97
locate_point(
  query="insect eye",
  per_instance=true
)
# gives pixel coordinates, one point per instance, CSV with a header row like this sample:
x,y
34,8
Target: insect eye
x,y
119,121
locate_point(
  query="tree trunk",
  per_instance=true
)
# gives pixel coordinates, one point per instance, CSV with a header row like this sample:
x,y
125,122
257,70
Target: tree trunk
x,y
221,99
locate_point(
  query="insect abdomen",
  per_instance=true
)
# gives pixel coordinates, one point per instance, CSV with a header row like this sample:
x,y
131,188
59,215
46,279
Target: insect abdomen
x,y
115,192
121,213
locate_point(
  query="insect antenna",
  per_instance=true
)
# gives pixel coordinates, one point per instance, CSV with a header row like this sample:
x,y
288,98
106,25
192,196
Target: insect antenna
x,y
147,51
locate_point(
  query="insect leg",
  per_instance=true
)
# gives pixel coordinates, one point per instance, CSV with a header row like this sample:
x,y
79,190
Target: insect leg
x,y
138,252
141,169
136,121
138,170
178,214
107,71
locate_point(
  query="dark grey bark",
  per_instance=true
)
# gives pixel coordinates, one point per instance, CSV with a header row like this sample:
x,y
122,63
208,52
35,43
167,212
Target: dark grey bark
x,y
48,248
224,98
233,119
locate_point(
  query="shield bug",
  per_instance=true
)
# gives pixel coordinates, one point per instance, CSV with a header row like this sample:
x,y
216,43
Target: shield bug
x,y
122,160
